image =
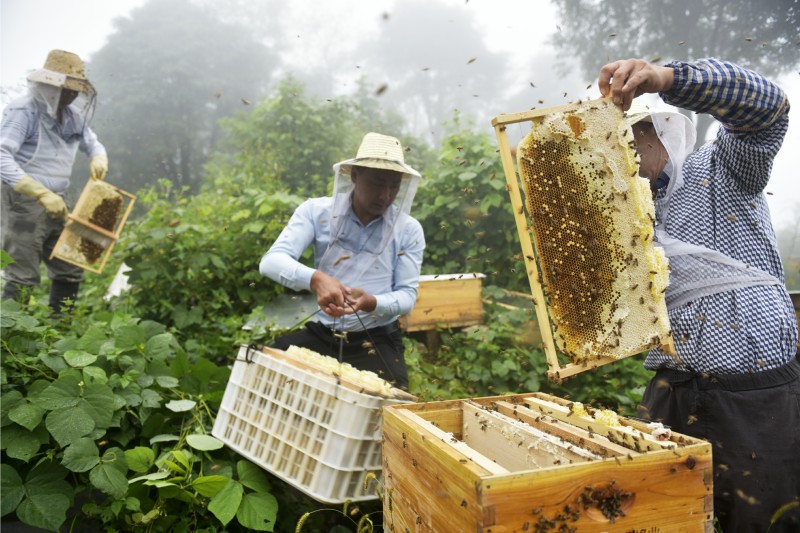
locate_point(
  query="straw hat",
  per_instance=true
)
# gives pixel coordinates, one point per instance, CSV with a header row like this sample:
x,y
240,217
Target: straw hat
x,y
63,69
378,151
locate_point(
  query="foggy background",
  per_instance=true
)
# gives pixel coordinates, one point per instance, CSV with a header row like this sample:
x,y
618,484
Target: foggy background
x,y
167,70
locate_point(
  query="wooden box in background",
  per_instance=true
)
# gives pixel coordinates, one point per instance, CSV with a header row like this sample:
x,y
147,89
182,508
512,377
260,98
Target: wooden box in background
x,y
526,463
446,300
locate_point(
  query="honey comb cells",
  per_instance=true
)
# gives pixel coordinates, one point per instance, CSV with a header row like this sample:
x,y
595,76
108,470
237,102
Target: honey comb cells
x,y
591,217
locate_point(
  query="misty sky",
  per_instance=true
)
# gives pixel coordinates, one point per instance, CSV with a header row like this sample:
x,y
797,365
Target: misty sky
x,y
329,35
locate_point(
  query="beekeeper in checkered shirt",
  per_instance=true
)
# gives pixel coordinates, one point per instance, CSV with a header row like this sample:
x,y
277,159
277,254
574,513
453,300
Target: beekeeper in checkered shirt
x,y
735,380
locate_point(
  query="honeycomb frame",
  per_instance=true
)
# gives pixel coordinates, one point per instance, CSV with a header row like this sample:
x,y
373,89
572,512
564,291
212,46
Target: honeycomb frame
x,y
84,242
585,220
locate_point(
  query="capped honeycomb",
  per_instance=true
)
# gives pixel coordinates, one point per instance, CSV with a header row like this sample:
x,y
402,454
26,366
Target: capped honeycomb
x,y
591,217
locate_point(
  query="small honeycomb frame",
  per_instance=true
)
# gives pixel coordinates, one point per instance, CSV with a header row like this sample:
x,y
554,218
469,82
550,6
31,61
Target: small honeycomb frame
x,y
586,230
94,226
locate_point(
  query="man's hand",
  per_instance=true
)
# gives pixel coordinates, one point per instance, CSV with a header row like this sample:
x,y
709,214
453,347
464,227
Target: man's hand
x,y
330,293
359,300
626,79
52,203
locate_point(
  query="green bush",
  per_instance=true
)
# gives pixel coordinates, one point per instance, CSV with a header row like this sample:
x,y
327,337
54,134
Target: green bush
x,y
465,211
194,261
504,356
108,410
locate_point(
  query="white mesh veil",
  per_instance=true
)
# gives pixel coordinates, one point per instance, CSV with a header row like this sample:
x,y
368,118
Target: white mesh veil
x,y
347,259
80,111
695,271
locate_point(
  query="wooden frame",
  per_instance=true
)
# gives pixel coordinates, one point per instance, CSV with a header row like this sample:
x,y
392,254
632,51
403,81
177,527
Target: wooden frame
x,y
555,370
76,225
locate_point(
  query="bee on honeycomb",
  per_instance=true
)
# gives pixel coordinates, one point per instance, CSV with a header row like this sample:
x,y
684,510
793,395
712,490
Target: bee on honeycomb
x,y
591,218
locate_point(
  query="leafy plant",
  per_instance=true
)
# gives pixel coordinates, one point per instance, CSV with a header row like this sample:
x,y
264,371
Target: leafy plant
x,y
465,212
504,355
84,413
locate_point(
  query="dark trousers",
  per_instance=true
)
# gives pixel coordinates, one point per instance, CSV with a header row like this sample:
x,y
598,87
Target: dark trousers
x,y
28,235
753,424
379,350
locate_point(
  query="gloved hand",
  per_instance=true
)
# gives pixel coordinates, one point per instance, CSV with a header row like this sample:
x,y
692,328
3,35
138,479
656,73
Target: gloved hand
x,y
98,167
52,203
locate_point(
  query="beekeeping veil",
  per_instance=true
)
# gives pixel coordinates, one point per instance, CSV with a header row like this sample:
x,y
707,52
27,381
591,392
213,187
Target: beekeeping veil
x,y
350,258
63,71
695,271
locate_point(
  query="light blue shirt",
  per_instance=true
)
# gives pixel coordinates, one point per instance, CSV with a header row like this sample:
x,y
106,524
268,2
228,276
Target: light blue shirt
x,y
19,139
310,225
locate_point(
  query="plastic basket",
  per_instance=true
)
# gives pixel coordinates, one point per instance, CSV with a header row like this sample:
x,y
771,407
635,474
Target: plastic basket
x,y
314,433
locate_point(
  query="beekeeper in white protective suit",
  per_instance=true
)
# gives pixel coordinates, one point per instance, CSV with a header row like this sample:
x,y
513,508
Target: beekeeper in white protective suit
x,y
367,257
39,138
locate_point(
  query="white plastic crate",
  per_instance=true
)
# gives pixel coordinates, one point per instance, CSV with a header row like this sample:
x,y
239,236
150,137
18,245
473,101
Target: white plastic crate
x,y
314,433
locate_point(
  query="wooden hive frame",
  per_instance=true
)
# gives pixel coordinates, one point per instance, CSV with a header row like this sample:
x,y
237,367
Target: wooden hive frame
x,y
557,368
78,227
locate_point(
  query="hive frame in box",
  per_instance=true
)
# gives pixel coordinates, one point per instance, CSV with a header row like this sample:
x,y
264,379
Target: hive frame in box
x,y
319,434
483,465
555,371
77,225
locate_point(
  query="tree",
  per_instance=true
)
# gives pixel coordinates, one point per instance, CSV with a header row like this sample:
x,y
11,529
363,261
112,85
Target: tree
x,y
763,36
291,141
163,85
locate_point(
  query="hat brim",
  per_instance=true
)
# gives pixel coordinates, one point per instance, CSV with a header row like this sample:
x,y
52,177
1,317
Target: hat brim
x,y
383,164
55,79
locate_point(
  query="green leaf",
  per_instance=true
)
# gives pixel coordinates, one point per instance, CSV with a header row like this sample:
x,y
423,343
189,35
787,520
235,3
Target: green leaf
x,y
69,424
98,401
151,398
10,400
159,347
129,337
95,374
109,475
62,393
179,406
46,511
252,476
225,504
19,443
258,511
11,489
168,382
183,458
48,497
26,415
151,477
79,358
92,340
164,438
464,176
140,459
81,455
209,486
204,442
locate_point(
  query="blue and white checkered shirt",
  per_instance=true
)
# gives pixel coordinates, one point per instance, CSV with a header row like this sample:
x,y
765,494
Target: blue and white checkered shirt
x,y
722,206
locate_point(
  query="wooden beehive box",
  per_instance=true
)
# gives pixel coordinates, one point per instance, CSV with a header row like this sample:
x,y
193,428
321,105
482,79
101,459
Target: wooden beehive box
x,y
452,300
519,463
